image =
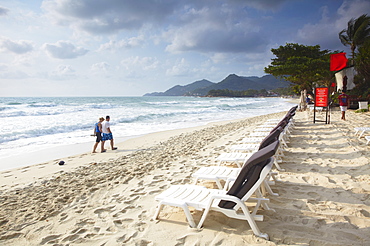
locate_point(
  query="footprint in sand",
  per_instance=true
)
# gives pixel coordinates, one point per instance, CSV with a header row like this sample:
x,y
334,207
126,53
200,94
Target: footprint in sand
x,y
84,222
140,226
78,231
308,180
123,211
142,215
127,237
63,217
104,212
70,238
153,192
52,239
313,195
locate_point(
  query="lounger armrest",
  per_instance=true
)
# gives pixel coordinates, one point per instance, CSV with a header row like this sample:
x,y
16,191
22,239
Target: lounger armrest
x,y
225,197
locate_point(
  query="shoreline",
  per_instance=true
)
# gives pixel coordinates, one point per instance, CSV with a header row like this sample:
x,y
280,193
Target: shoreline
x,y
58,152
323,194
47,166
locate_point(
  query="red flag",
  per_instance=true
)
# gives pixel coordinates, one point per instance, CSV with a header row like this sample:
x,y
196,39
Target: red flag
x,y
338,61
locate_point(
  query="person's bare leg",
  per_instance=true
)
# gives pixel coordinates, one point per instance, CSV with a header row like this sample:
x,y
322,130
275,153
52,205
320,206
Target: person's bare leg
x,y
95,146
102,146
112,144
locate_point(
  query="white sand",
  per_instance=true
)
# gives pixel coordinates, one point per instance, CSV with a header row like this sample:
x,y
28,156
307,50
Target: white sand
x,y
108,198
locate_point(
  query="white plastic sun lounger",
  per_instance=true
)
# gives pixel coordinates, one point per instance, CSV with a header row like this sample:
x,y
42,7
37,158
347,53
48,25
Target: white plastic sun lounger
x,y
228,175
252,140
231,203
361,130
367,139
237,158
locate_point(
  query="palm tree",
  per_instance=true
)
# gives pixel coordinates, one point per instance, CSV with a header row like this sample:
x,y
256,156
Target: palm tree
x,y
357,32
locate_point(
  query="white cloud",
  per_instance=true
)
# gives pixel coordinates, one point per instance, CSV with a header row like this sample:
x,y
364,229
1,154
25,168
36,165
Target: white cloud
x,y
3,67
17,47
127,44
153,44
263,4
222,29
353,9
181,68
101,68
62,72
102,17
192,25
16,74
140,63
325,32
64,50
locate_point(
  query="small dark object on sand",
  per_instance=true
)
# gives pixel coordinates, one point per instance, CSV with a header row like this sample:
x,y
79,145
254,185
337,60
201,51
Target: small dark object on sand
x,y
61,163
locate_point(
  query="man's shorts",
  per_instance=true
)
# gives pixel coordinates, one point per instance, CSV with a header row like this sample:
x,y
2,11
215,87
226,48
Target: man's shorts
x,y
98,137
343,108
107,136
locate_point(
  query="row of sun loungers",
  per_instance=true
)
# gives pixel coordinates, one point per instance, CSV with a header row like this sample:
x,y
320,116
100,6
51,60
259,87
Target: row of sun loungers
x,y
249,182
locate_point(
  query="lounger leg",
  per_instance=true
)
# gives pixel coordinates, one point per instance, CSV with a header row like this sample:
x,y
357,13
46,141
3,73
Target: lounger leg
x,y
260,201
278,166
274,178
189,216
160,206
362,133
184,207
253,224
218,184
268,188
204,215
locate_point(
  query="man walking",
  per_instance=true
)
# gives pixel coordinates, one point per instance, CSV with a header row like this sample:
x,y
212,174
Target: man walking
x,y
107,133
343,103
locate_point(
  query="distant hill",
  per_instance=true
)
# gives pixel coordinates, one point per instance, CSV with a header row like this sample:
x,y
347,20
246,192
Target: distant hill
x,y
232,82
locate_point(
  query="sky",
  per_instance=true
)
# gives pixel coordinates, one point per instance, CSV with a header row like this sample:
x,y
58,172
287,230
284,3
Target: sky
x,y
133,47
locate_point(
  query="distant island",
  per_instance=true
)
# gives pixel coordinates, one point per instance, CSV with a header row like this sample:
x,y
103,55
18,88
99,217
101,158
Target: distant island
x,y
232,85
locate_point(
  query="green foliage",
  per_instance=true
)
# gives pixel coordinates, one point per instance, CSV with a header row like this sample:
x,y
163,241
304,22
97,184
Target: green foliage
x,y
231,93
361,110
334,97
357,32
287,91
302,65
362,79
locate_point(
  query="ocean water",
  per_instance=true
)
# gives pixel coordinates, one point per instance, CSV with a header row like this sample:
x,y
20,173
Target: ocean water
x,y
30,123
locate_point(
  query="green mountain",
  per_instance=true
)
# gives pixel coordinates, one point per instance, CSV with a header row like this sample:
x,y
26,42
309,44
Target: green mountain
x,y
232,82
180,90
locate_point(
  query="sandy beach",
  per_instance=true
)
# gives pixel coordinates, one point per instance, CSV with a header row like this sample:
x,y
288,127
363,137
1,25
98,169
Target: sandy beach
x,y
108,198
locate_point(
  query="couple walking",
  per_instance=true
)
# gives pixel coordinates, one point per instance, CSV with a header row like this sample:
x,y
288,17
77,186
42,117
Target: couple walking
x,y
103,127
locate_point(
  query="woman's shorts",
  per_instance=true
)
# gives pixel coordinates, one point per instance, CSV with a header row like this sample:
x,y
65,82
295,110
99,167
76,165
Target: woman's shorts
x,y
343,108
107,136
98,137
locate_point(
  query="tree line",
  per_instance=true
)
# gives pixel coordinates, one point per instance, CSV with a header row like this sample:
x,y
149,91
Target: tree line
x,y
232,93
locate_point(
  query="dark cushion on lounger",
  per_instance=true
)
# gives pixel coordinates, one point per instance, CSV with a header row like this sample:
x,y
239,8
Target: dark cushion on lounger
x,y
272,137
250,173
